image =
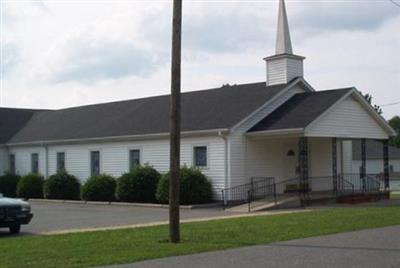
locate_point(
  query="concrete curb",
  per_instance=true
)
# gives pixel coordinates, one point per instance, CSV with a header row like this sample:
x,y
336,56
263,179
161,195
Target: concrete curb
x,y
102,203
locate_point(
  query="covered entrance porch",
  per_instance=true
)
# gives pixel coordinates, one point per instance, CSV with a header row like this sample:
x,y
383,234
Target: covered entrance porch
x,y
314,167
303,170
304,148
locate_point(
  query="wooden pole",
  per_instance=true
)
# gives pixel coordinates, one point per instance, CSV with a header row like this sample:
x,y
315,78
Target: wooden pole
x,y
175,121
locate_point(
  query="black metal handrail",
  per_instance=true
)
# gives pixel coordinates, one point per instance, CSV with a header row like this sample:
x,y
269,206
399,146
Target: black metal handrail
x,y
266,188
343,186
240,193
363,183
261,191
273,191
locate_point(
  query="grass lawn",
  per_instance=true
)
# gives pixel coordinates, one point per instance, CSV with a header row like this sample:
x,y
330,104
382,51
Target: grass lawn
x,y
395,195
130,245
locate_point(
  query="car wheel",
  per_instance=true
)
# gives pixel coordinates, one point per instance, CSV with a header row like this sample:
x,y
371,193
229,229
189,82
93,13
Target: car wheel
x,y
15,229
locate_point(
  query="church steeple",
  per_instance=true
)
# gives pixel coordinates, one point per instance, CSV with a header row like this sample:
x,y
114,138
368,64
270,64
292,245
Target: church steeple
x,y
283,42
284,66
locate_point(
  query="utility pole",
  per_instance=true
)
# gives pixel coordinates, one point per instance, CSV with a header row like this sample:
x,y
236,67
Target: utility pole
x,y
175,123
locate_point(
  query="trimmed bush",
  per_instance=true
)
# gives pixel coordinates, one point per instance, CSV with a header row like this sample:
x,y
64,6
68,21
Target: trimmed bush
x,y
139,185
30,186
194,187
8,184
99,188
62,186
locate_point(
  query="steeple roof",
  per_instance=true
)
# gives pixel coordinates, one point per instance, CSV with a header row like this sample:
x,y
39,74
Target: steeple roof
x,y
283,42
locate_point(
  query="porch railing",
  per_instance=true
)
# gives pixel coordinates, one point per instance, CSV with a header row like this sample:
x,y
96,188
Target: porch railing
x,y
241,193
266,189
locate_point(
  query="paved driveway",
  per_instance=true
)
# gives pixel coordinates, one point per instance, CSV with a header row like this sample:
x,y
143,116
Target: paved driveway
x,y
49,217
368,248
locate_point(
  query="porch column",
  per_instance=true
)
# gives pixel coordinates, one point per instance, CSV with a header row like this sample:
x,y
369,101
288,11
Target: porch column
x,y
363,171
303,159
386,164
334,164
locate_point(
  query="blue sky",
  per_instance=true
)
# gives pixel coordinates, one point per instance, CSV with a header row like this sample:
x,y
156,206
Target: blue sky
x,y
66,53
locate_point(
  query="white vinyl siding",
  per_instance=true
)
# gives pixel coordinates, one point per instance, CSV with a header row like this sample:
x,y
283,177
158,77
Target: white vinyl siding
x,y
23,159
283,70
348,119
114,157
265,158
276,72
375,166
320,163
237,150
347,156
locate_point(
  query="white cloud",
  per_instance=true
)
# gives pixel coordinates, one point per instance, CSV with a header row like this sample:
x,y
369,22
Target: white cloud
x,y
61,53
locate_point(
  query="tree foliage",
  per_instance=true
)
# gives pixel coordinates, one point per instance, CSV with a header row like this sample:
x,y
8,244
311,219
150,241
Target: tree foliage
x,y
368,98
395,124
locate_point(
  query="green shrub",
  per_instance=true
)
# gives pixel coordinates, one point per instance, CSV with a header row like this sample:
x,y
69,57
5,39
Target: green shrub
x,y
30,186
139,185
99,188
194,187
62,186
8,184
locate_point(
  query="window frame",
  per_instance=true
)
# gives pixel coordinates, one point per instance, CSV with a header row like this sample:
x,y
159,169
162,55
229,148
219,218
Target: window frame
x,y
64,160
91,162
32,163
194,147
12,168
130,167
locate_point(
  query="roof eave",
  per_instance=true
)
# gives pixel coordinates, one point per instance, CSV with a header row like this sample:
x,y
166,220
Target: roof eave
x,y
277,132
152,136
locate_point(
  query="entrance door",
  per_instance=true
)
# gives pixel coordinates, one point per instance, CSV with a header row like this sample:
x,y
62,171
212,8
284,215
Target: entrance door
x,y
290,161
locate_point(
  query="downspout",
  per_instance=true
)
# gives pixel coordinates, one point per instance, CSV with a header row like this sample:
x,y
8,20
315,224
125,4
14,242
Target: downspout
x,y
225,138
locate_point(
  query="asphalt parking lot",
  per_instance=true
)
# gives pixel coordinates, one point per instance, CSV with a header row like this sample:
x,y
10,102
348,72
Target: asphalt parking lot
x,y
51,217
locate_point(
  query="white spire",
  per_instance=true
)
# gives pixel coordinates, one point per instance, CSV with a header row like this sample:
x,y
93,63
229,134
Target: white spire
x,y
284,66
283,42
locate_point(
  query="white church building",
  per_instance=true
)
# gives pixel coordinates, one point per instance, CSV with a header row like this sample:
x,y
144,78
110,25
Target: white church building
x,y
281,128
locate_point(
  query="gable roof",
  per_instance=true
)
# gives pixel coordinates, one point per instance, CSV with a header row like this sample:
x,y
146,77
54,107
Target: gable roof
x,y
12,120
219,108
373,150
300,110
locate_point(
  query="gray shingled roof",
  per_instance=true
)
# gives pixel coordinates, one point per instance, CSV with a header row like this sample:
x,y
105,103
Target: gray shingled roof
x,y
373,150
300,110
201,110
12,120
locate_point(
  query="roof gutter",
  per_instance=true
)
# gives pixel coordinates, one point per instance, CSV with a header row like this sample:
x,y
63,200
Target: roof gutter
x,y
277,132
121,138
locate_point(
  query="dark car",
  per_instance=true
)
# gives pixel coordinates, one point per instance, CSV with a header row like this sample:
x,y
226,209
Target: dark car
x,y
14,213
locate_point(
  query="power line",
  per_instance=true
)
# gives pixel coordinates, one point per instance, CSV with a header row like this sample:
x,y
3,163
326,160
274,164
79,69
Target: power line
x,y
395,3
390,104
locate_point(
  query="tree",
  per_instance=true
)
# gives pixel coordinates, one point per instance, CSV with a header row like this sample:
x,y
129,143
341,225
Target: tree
x,y
368,98
175,123
395,124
